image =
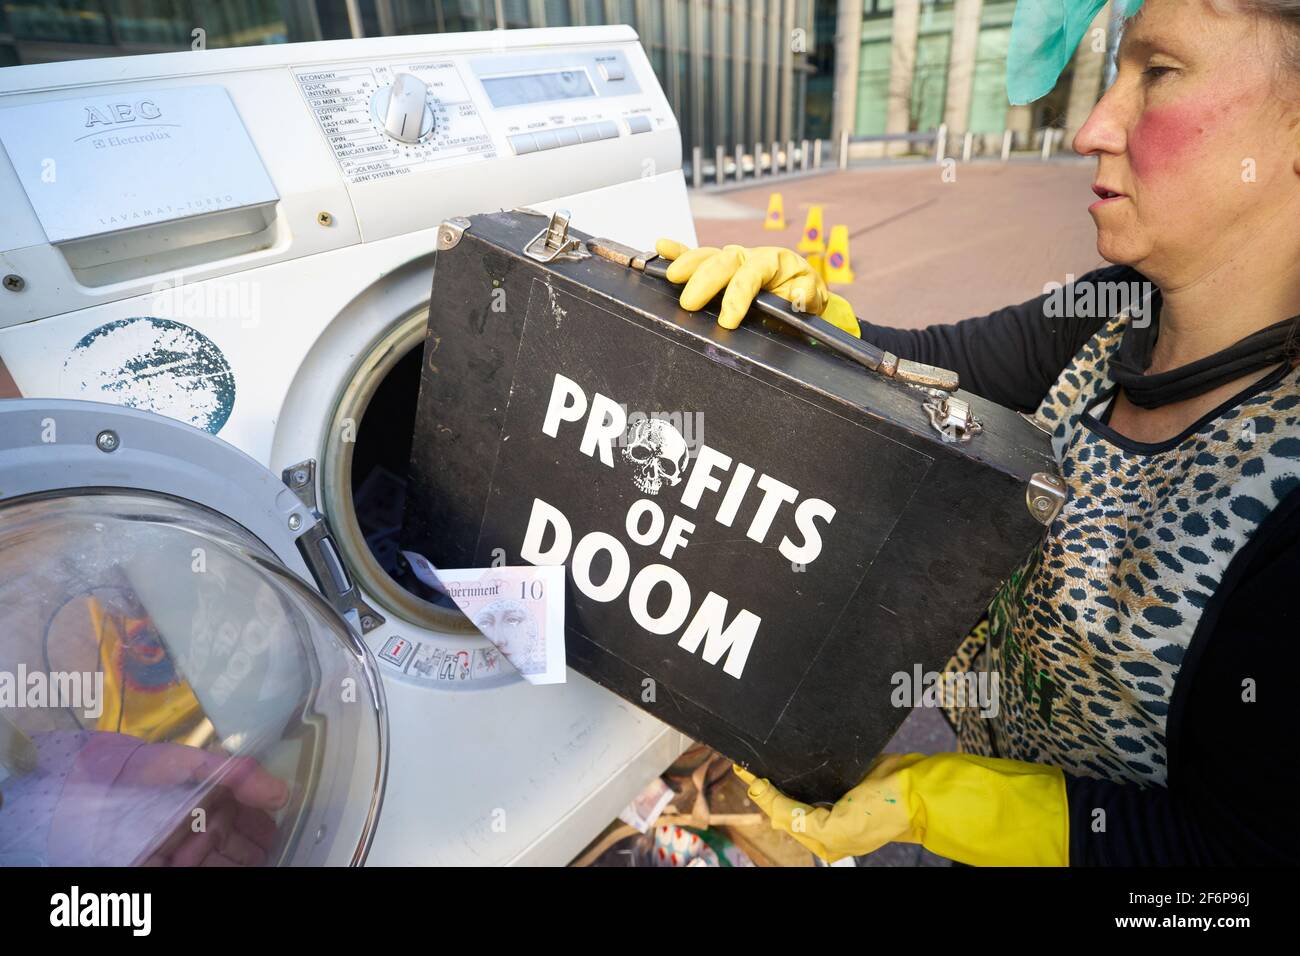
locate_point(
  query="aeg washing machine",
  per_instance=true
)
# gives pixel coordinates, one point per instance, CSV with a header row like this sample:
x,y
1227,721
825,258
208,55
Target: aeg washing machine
x,y
241,240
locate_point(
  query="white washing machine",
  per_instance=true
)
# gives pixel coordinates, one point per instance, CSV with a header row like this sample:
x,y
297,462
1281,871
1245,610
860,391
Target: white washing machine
x,y
241,240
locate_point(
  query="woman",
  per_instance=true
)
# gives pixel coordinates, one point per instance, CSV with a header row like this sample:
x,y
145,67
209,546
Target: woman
x,y
1143,646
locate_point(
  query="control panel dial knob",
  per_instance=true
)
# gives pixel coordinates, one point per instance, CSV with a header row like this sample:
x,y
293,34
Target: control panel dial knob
x,y
402,109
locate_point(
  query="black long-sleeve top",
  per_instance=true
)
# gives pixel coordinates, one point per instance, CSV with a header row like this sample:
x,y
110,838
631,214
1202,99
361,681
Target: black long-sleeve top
x,y
1233,772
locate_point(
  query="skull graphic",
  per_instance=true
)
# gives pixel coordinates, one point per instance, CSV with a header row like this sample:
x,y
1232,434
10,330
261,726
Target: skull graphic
x,y
659,452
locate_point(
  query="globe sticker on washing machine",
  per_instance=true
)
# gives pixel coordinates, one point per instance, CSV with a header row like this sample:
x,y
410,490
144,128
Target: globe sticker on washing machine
x,y
157,365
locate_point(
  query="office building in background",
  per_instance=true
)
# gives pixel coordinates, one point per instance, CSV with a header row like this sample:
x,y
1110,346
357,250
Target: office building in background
x,y
907,66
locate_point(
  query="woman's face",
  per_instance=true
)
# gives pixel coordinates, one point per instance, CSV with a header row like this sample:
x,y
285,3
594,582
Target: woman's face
x,y
1198,137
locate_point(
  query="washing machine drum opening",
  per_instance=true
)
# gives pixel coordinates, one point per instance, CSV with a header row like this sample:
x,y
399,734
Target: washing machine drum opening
x,y
170,693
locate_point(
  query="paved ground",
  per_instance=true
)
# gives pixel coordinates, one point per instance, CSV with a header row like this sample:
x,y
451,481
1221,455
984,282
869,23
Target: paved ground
x,y
924,250
927,251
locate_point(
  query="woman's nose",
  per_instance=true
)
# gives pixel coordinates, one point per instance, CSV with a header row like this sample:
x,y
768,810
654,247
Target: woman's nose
x,y
1105,129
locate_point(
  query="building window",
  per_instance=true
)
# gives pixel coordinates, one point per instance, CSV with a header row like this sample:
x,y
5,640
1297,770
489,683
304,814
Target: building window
x,y
873,87
929,82
558,14
988,107
60,21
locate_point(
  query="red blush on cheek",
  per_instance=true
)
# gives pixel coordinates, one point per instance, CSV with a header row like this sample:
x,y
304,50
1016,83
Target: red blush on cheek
x,y
1164,138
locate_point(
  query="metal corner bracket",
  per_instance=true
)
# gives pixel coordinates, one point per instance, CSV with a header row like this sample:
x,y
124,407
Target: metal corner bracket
x,y
1045,496
450,231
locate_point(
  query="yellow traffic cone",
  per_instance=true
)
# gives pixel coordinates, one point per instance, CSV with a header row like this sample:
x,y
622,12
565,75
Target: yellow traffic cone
x,y
775,213
836,269
814,239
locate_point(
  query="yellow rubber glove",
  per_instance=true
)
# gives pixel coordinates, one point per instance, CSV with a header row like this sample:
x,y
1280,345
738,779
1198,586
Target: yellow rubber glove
x,y
746,272
982,811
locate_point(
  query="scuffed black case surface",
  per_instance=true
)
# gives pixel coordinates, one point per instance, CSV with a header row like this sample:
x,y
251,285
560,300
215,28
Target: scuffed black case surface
x,y
922,533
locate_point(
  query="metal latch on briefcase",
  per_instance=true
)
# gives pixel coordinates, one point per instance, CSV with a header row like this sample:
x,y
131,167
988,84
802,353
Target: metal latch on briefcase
x,y
554,241
951,417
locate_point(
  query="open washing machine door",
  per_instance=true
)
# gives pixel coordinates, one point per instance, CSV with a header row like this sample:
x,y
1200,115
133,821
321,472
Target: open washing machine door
x,y
173,689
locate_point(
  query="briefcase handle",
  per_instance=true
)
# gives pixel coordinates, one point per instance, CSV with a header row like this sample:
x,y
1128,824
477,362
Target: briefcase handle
x,y
859,350
866,354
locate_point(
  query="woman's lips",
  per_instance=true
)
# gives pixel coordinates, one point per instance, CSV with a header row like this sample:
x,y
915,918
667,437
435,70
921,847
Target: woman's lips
x,y
1105,195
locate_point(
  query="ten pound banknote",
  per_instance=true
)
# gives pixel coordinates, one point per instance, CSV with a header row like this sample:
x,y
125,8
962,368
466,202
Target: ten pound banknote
x,y
519,609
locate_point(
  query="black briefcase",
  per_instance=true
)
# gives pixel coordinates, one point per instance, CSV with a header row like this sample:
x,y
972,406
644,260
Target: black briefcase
x,y
767,542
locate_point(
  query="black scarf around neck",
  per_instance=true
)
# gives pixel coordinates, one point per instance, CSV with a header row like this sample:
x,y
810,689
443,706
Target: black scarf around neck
x,y
1261,349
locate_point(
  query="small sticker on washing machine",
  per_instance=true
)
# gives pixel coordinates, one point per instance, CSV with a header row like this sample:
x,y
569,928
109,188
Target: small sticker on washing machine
x,y
487,663
396,650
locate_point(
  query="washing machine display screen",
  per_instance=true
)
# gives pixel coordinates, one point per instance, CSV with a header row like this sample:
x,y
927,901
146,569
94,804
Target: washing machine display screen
x,y
506,91
170,694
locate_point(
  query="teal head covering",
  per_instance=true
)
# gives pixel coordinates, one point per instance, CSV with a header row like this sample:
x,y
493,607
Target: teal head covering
x,y
1044,36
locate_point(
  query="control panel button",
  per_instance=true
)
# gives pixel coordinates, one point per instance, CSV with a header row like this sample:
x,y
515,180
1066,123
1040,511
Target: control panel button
x,y
523,143
546,139
638,124
568,136
608,130
589,132
610,72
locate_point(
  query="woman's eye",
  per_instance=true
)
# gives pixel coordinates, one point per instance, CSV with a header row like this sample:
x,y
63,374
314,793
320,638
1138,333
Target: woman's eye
x,y
1155,72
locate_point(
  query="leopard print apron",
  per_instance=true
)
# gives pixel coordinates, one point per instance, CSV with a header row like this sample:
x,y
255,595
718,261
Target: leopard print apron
x,y
1086,637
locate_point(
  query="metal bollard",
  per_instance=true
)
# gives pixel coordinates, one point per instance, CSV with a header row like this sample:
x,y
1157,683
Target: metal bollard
x,y
776,158
804,159
697,167
1006,145
941,142
817,153
720,168
740,167
758,160
843,158
967,144
1047,143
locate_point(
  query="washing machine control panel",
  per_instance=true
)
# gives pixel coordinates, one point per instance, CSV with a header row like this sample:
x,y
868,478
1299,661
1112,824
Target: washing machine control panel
x,y
392,118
